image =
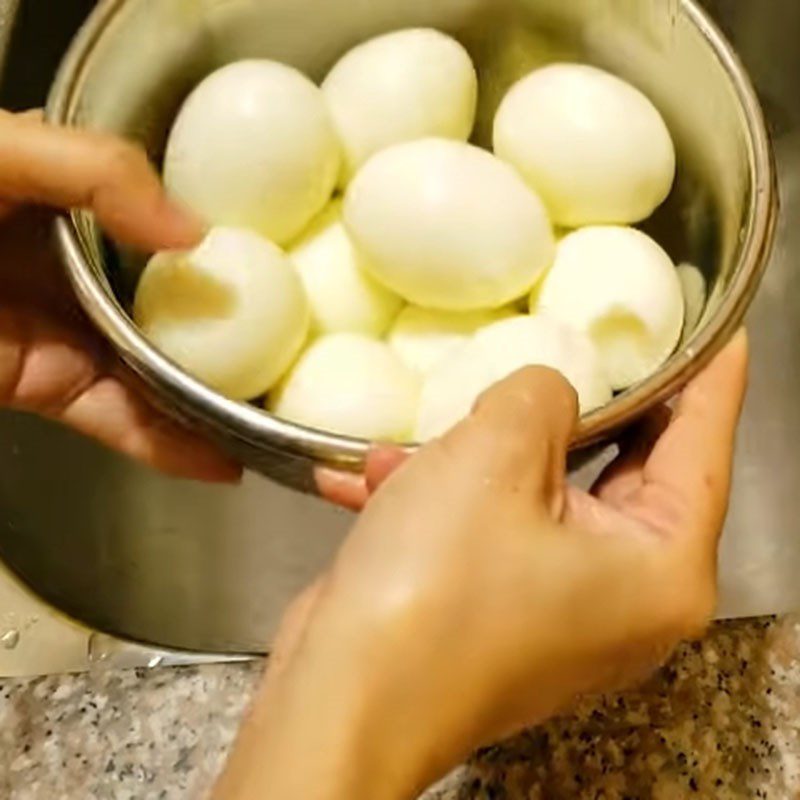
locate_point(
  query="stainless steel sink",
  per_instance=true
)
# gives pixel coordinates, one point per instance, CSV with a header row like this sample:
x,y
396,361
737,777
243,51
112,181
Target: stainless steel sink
x,y
207,569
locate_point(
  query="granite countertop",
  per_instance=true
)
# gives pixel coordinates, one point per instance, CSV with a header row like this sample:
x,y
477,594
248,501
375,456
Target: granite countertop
x,y
722,721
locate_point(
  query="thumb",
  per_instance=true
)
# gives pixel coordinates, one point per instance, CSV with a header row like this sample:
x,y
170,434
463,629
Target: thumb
x,y
693,460
518,436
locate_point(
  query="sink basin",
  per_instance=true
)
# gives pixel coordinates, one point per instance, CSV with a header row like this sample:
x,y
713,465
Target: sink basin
x,y
207,569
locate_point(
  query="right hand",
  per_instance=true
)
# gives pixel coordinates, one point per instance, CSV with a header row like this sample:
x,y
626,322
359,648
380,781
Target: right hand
x,y
479,593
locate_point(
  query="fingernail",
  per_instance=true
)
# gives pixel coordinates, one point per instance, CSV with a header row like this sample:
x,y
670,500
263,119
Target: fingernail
x,y
345,489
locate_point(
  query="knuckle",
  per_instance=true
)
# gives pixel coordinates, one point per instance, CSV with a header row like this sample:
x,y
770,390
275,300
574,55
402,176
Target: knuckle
x,y
537,383
504,412
549,381
501,434
551,393
527,396
469,442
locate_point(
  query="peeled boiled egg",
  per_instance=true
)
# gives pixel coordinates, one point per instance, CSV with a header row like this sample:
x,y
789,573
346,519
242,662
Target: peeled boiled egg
x,y
451,390
352,385
448,226
344,297
402,86
232,312
423,337
596,149
254,146
622,290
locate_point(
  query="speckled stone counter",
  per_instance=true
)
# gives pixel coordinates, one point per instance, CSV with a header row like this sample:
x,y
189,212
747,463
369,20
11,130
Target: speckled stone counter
x,y
722,721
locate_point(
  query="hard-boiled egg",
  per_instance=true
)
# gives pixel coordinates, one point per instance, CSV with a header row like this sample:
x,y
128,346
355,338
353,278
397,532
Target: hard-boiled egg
x,y
621,289
451,390
232,312
344,297
423,337
448,226
399,87
594,147
254,146
351,385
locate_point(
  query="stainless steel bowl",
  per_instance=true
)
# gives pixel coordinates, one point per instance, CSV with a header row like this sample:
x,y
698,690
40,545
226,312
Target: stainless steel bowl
x,y
136,60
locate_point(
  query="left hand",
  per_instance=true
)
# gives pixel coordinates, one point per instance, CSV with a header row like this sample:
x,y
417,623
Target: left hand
x,y
51,361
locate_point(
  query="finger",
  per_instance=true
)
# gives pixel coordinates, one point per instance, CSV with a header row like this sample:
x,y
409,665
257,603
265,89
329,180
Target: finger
x,y
352,490
625,474
67,168
36,115
518,436
346,489
692,462
382,463
55,373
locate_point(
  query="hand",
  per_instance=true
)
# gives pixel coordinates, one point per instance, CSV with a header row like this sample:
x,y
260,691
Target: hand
x,y
479,593
352,490
51,363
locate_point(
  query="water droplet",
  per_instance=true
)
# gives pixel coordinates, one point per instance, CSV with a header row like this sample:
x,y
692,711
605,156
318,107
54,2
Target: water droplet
x,y
99,649
106,652
10,639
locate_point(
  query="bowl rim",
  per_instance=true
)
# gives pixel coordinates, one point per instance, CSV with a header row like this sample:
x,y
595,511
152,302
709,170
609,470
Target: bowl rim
x,y
259,428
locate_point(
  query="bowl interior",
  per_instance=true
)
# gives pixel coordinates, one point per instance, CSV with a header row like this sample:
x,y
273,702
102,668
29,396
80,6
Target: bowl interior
x,y
137,60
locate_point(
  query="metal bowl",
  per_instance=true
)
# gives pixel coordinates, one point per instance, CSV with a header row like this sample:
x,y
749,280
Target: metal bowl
x,y
136,60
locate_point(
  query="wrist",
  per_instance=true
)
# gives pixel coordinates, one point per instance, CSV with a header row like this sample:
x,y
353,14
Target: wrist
x,y
321,729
